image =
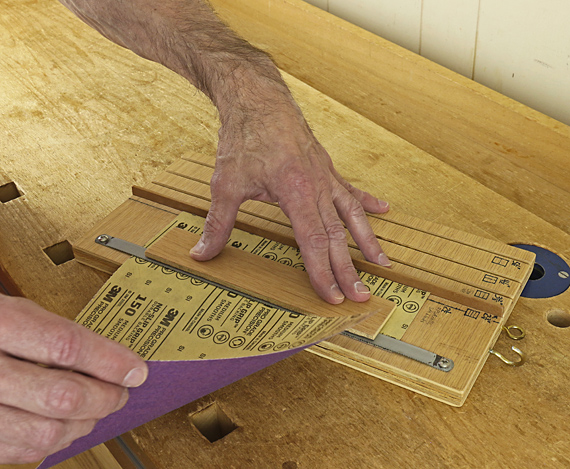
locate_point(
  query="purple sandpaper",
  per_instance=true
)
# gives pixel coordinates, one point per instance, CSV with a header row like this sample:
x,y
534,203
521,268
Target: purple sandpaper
x,y
170,385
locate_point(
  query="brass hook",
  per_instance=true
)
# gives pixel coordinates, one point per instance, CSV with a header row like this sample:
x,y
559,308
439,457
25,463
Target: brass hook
x,y
518,336
518,351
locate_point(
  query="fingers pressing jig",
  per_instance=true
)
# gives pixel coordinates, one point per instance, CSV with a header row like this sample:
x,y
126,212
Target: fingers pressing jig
x,y
322,241
340,260
352,213
369,202
220,220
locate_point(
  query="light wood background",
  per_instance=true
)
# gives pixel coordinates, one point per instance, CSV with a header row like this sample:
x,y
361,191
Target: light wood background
x,y
517,47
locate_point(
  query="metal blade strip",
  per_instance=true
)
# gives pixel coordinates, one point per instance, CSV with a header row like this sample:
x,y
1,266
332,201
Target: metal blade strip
x,y
132,249
400,347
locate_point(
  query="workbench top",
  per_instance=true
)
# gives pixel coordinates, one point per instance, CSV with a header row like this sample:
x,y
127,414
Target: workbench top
x,y
82,120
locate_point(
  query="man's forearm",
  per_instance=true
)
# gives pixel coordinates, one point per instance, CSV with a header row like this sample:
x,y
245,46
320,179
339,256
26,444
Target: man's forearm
x,y
266,151
187,37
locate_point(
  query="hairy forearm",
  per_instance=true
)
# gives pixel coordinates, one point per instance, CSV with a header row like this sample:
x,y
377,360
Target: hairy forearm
x,y
187,37
266,151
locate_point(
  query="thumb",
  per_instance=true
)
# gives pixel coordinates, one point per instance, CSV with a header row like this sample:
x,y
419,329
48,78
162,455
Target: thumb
x,y
217,229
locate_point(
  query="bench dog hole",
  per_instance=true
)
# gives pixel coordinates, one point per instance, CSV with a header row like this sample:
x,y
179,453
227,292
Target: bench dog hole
x,y
558,318
212,422
537,272
9,192
60,253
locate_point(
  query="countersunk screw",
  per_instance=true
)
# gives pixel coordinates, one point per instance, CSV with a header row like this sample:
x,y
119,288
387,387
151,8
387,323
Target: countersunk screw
x,y
563,274
103,239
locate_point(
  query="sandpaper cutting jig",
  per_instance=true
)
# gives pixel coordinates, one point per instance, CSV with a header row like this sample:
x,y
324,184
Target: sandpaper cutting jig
x,y
451,292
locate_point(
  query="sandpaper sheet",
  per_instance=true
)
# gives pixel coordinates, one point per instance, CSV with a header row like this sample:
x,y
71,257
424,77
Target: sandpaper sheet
x,y
196,337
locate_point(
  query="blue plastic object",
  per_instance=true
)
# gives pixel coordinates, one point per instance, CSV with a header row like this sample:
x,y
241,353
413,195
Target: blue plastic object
x,y
551,274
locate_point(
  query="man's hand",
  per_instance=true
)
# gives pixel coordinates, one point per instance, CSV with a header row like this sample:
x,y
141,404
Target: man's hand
x,y
82,378
266,150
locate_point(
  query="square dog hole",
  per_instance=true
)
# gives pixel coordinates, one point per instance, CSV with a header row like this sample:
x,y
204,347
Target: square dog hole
x,y
60,253
9,192
212,422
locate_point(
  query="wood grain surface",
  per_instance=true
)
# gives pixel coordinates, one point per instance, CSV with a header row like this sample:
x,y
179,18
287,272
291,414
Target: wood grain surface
x,y
515,151
83,120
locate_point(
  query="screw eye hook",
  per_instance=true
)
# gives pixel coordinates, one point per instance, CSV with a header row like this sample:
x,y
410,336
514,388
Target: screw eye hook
x,y
518,351
519,332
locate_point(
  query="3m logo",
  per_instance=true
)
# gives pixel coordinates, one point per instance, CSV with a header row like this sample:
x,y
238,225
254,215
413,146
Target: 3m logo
x,y
166,320
112,293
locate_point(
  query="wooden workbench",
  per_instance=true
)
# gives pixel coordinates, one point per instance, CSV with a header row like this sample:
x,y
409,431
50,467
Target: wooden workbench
x,y
82,120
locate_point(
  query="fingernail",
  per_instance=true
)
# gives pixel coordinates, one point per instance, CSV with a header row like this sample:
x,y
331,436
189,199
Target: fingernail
x,y
361,288
135,377
199,248
337,293
384,261
383,205
123,401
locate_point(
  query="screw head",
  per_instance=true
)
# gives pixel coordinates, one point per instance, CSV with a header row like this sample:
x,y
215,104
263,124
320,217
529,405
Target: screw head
x,y
444,364
103,239
563,274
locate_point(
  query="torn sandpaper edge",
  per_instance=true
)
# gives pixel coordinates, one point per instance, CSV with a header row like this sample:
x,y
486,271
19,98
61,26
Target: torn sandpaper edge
x,y
170,385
